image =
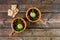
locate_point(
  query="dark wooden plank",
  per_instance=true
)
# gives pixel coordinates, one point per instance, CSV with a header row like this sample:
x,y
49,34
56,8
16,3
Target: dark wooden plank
x,y
37,38
29,38
41,38
25,38
11,38
6,32
28,1
56,38
24,7
32,33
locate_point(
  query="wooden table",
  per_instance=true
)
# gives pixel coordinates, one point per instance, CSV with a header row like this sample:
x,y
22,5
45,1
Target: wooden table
x,y
50,12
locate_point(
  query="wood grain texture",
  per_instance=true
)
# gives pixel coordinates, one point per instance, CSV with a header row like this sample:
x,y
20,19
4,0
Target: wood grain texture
x,y
32,33
50,12
28,38
27,1
24,7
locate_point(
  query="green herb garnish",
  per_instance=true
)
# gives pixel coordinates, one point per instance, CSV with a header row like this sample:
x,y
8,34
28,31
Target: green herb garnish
x,y
34,18
18,21
19,27
32,14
